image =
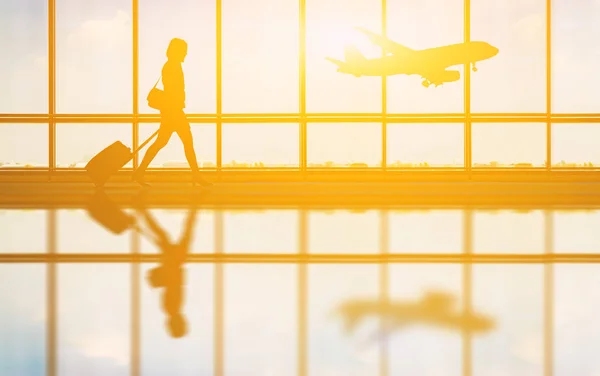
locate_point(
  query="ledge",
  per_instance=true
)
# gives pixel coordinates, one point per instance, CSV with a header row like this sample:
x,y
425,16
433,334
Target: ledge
x,y
311,194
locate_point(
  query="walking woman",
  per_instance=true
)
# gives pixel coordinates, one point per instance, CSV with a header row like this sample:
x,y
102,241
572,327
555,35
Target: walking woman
x,y
172,117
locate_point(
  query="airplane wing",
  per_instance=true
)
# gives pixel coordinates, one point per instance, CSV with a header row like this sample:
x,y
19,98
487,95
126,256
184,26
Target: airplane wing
x,y
385,43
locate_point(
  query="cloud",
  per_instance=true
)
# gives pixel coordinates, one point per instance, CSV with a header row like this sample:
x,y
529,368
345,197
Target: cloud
x,y
530,349
73,361
25,87
112,346
497,372
532,29
94,66
110,32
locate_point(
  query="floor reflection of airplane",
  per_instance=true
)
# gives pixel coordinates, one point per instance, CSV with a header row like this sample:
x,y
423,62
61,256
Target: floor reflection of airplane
x,y
429,63
433,309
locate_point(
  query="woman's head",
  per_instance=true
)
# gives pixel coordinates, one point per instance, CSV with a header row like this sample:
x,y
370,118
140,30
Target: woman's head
x,y
177,325
177,50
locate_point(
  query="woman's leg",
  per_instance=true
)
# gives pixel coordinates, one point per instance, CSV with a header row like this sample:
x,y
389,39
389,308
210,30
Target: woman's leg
x,y
161,141
185,134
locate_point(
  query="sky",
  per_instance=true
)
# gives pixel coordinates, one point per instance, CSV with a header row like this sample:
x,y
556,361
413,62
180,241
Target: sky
x,y
260,75
260,300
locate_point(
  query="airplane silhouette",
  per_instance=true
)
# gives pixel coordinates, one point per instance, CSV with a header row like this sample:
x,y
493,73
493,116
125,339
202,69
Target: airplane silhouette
x,y
434,309
431,64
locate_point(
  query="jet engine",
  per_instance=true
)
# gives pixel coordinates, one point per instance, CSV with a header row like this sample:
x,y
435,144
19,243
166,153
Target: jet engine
x,y
440,77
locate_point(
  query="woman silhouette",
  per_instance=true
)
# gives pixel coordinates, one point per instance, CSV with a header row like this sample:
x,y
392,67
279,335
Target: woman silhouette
x,y
170,275
172,117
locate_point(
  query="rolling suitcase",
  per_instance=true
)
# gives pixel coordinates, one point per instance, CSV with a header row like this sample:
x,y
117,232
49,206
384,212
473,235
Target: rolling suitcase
x,y
110,160
110,216
104,211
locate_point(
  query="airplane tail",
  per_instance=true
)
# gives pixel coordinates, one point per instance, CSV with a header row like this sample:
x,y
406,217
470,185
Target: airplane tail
x,y
353,55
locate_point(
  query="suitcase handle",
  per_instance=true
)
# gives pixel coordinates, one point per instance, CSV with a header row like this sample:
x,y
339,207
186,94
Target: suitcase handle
x,y
146,142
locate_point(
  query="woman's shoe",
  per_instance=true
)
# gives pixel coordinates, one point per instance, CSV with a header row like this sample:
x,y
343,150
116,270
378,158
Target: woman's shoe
x,y
139,178
199,180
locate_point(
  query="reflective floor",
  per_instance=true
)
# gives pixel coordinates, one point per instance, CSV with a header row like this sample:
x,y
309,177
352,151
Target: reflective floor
x,y
192,291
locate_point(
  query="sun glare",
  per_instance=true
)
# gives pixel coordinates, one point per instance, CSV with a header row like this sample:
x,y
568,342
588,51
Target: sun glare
x,y
338,37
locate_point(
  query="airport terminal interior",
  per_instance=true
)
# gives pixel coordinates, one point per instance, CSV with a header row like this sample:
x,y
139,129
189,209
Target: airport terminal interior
x,y
398,187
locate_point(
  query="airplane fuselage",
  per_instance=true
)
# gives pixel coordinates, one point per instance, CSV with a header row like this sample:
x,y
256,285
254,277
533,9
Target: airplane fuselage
x,y
402,314
423,61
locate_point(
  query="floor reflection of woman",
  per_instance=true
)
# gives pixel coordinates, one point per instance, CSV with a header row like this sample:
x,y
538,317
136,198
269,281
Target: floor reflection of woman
x,y
170,274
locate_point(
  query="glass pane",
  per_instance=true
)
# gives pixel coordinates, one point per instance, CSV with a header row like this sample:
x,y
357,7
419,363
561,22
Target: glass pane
x,y
575,145
335,346
330,28
173,155
24,71
576,231
356,145
271,231
192,21
260,56
93,319
425,145
94,56
23,145
78,232
343,232
260,320
515,79
423,346
23,318
76,144
436,231
260,145
508,232
444,26
176,225
17,227
575,79
512,297
191,354
509,145
576,310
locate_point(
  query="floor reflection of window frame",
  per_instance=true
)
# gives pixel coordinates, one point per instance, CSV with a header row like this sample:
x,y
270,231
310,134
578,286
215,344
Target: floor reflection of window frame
x,y
301,258
51,289
548,295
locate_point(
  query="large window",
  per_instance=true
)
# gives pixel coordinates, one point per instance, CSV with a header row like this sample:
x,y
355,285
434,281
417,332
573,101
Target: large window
x,y
24,63
93,56
443,26
515,79
194,22
261,93
260,56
